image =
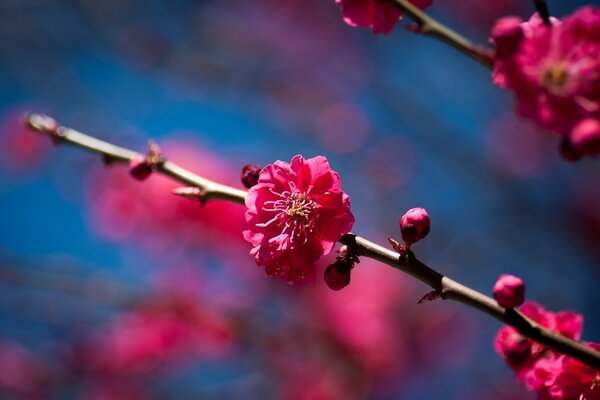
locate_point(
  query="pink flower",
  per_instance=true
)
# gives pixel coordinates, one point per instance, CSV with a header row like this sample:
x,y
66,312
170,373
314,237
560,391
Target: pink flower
x,y
554,71
570,379
296,213
381,16
158,332
414,225
524,355
149,215
509,291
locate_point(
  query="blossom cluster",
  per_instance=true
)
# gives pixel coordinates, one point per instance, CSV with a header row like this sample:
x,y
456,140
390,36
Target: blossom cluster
x,y
552,376
554,71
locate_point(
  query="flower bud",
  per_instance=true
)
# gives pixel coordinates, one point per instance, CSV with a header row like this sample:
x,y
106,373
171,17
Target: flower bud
x,y
337,274
140,168
509,291
507,34
250,175
516,348
414,225
585,137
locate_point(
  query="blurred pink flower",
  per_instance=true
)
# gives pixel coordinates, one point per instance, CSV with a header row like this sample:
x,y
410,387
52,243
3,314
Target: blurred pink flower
x,y
22,149
523,355
23,374
296,213
167,330
123,209
554,71
380,16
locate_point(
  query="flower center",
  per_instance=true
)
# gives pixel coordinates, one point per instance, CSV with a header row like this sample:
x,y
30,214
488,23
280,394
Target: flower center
x,y
299,206
555,78
294,213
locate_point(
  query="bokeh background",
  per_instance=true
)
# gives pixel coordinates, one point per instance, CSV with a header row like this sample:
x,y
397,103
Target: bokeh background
x,y
115,289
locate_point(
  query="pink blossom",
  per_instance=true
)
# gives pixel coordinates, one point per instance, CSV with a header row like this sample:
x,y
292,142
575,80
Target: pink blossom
x,y
509,291
554,71
571,379
122,209
524,355
414,225
296,213
380,16
153,334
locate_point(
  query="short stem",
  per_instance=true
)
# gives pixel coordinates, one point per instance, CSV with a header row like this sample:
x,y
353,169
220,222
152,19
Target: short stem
x,y
542,8
434,28
408,263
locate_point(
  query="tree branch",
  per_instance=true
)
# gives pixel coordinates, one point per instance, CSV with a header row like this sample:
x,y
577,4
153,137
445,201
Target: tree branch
x,y
431,27
408,263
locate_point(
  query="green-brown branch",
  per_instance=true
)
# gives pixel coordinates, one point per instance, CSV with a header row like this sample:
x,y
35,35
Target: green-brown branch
x,y
431,27
408,263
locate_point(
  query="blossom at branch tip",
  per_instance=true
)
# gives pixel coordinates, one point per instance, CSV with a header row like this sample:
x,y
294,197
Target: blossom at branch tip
x,y
296,213
509,291
532,361
568,378
554,72
380,16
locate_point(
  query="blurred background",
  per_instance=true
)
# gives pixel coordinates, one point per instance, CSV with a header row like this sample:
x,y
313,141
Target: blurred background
x,y
114,289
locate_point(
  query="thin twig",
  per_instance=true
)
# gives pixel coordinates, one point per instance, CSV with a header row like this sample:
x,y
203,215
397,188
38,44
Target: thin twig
x,y
542,8
431,27
408,263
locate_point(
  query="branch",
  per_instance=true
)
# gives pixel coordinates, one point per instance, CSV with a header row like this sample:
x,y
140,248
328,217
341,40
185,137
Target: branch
x,y
431,27
408,263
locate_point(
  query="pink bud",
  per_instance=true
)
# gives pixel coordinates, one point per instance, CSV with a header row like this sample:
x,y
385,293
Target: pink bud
x,y
337,274
516,347
139,168
585,137
414,225
250,175
509,291
507,34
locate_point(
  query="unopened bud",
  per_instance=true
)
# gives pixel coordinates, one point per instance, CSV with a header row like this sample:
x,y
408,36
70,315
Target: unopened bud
x,y
509,291
507,35
516,348
585,137
414,225
140,168
337,274
250,175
